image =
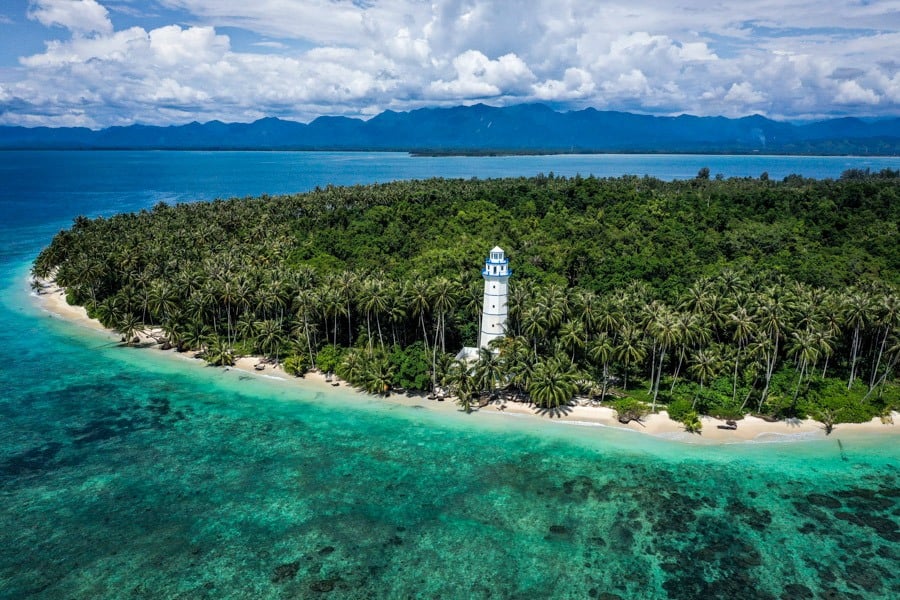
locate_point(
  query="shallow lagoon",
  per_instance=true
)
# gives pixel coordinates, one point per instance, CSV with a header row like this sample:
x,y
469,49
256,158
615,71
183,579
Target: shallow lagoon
x,y
129,473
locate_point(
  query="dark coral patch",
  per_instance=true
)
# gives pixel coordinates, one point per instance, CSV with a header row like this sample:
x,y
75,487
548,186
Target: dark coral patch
x,y
285,572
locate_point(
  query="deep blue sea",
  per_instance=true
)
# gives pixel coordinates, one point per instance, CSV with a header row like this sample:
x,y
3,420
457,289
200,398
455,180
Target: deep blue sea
x,y
134,474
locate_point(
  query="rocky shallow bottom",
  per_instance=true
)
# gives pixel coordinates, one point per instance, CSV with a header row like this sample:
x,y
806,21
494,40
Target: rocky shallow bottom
x,y
123,478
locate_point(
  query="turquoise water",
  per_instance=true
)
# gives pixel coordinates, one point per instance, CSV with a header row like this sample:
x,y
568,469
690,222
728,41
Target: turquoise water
x,y
129,473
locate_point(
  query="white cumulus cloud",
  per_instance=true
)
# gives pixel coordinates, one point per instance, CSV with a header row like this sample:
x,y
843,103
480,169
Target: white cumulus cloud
x,y
78,16
477,76
744,94
783,58
851,92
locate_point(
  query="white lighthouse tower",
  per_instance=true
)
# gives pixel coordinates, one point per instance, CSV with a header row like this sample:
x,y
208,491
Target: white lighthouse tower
x,y
494,309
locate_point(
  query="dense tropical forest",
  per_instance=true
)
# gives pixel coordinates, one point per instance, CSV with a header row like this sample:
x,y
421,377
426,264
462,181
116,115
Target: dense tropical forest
x,y
704,296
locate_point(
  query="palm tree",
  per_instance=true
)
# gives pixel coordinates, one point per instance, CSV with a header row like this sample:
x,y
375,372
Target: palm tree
x,y
444,296
346,286
218,352
396,310
330,305
803,347
245,327
443,299
892,357
195,336
553,383
379,376
587,309
269,338
518,360
774,313
630,349
488,369
462,383
174,328
518,298
692,422
705,365
534,325
352,367
162,299
374,299
609,318
572,335
693,334
665,331
888,318
857,306
418,294
601,350
554,304
129,326
744,328
305,306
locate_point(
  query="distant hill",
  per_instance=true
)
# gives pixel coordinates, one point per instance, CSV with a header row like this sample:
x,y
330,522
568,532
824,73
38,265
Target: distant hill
x,y
481,129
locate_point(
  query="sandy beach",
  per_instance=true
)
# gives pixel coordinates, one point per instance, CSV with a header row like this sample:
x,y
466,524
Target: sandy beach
x,y
579,413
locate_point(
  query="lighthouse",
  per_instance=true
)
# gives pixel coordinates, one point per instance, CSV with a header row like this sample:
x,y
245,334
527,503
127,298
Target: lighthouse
x,y
494,308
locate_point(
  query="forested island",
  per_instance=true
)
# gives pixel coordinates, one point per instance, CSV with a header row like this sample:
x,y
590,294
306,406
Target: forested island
x,y
706,296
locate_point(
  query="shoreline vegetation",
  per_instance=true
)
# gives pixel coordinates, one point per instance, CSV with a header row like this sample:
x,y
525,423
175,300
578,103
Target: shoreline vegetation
x,y
580,412
708,296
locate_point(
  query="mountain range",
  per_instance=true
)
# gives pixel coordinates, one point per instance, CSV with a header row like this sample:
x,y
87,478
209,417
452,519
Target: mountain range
x,y
481,129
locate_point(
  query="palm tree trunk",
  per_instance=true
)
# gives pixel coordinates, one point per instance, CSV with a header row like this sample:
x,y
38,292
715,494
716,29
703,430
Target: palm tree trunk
x,y
882,379
424,331
312,358
799,381
749,393
349,328
605,381
662,356
854,348
378,322
677,370
770,368
878,360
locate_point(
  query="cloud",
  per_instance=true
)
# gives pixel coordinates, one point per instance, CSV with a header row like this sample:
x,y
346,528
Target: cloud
x,y
271,44
173,46
477,76
78,16
851,92
743,94
575,84
784,58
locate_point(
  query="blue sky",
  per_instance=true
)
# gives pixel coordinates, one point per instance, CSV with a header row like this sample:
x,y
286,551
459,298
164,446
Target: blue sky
x,y
97,63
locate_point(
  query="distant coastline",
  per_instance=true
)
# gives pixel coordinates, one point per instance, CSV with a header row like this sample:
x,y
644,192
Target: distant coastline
x,y
577,413
480,130
424,153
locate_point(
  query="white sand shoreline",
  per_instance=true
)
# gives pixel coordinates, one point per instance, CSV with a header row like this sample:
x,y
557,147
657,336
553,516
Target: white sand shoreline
x,y
750,429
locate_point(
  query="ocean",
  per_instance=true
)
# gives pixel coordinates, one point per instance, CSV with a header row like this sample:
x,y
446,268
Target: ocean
x,y
135,474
